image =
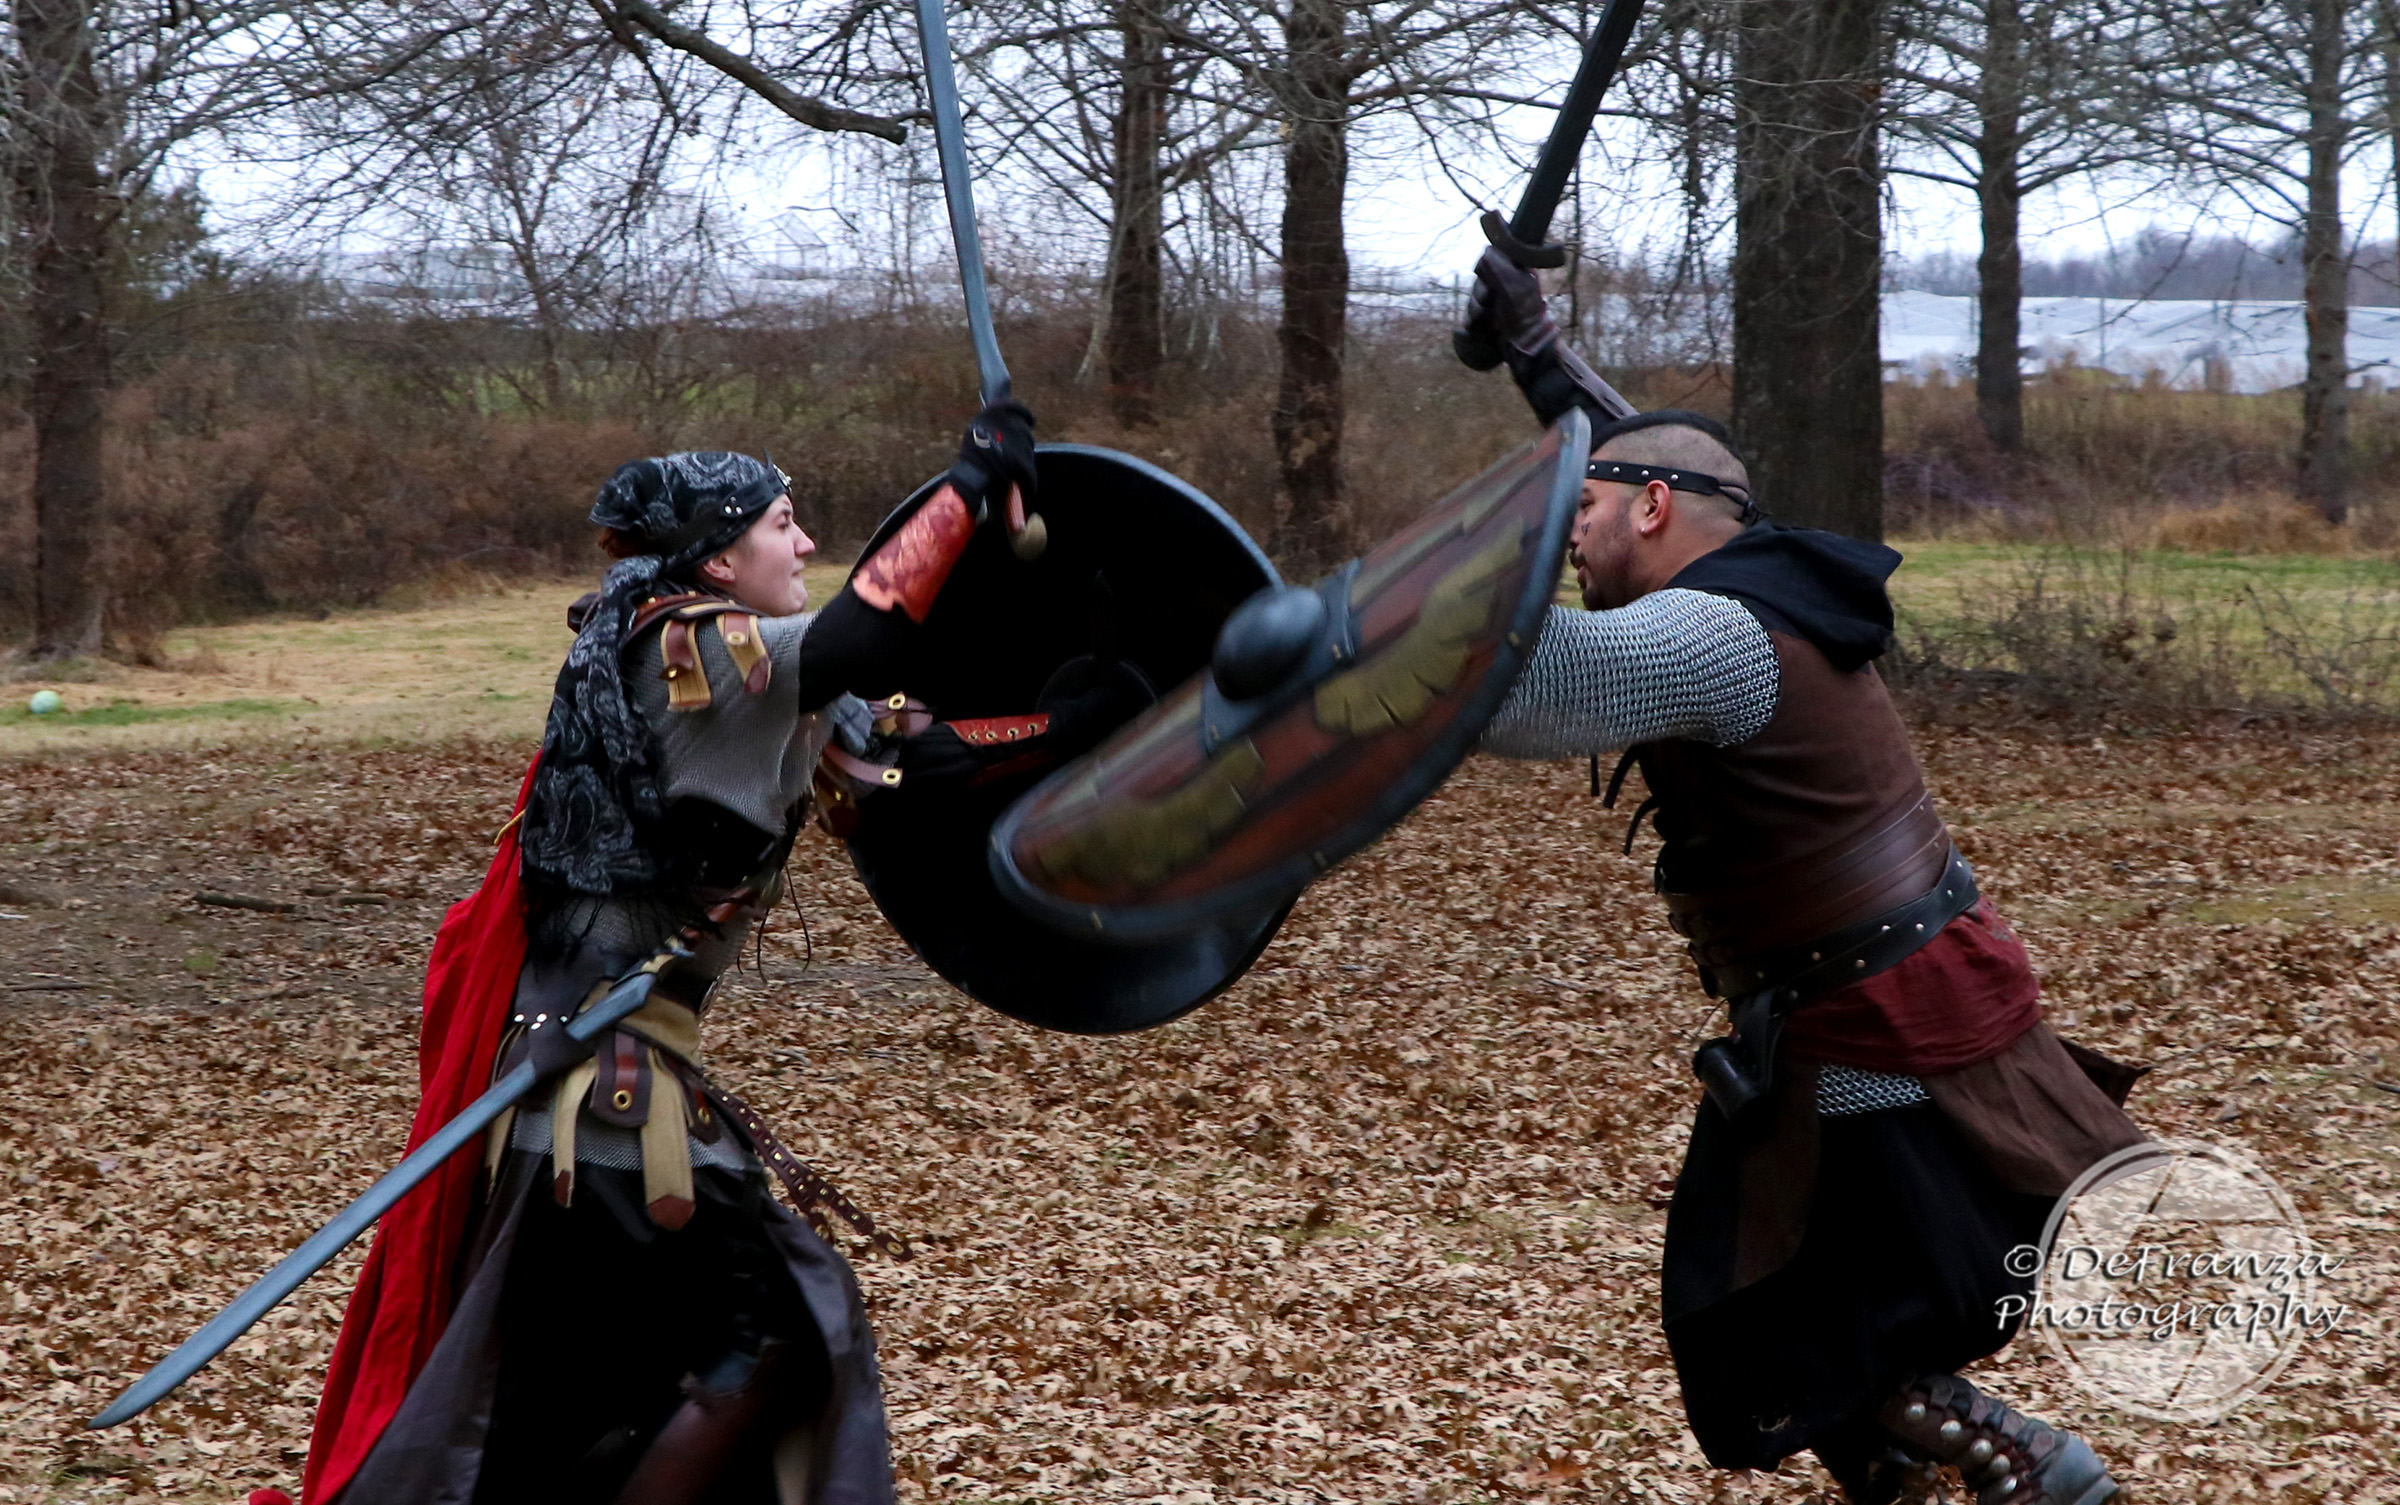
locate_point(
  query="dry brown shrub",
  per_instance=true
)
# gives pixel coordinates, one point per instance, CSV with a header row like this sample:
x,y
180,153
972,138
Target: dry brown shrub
x,y
330,463
2100,455
2269,524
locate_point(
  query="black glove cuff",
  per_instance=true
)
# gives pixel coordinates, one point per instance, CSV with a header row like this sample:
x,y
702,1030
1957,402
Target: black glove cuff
x,y
973,483
996,453
1549,390
552,1050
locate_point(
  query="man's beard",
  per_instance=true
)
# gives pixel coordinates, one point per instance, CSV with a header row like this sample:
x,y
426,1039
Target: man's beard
x,y
1607,564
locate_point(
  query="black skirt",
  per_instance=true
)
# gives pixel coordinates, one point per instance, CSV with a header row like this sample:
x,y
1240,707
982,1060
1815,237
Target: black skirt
x,y
575,1327
1899,1273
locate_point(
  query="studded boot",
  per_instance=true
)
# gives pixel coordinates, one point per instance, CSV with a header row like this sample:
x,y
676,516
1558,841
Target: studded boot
x,y
1894,1474
2005,1455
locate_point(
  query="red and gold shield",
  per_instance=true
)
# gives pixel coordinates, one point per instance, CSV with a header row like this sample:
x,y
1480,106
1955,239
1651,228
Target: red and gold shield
x,y
1243,785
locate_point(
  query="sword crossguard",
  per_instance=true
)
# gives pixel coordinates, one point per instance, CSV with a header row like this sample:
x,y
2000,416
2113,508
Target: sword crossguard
x,y
1524,254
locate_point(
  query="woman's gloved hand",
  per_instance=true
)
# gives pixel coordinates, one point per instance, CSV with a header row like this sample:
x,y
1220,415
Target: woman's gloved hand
x,y
995,455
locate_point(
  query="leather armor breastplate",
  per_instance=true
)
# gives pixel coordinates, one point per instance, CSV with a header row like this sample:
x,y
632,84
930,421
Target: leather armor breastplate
x,y
1818,822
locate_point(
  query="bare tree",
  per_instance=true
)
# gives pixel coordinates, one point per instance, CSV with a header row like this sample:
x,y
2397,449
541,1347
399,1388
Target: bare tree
x,y
2269,100
95,97
2388,17
98,98
2004,99
1098,102
1326,68
540,194
1808,258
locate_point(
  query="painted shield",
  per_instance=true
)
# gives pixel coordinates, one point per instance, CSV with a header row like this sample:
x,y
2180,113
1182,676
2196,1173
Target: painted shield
x,y
1141,571
1321,724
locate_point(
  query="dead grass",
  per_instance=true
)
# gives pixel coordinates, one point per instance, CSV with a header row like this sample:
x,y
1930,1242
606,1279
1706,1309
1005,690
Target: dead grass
x,y
2103,457
462,656
2049,627
2131,630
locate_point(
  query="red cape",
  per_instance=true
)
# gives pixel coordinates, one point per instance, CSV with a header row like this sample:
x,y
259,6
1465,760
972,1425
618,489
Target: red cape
x,y
406,1288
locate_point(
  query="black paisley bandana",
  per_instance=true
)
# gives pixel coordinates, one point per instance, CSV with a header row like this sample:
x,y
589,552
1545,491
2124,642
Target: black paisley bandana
x,y
592,821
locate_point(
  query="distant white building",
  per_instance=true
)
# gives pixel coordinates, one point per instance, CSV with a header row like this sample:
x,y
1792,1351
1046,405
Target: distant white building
x,y
452,276
787,249
2245,346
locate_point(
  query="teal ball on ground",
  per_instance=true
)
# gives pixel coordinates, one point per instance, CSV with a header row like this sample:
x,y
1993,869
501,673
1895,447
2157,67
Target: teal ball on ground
x,y
44,702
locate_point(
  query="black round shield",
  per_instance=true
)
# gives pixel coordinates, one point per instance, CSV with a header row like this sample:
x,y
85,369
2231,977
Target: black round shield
x,y
1141,569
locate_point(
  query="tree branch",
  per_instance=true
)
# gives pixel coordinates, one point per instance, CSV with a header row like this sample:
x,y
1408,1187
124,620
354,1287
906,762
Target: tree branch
x,y
809,112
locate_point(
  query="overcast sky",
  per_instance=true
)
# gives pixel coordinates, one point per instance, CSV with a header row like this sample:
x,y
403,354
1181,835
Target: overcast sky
x,y
1407,216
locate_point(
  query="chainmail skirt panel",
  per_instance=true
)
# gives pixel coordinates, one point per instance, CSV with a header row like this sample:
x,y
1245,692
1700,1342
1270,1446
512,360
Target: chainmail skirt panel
x,y
1844,1090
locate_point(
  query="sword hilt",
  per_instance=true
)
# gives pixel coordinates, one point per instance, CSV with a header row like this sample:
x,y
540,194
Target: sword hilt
x,y
1479,349
1524,253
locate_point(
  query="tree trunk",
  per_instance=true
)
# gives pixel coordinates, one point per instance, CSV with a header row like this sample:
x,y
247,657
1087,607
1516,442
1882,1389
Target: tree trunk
x,y
2000,269
65,224
1808,260
1315,530
2391,108
2325,390
1136,334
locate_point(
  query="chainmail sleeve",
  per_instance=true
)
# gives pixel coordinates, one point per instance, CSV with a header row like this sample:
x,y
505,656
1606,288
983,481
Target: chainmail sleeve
x,y
1676,663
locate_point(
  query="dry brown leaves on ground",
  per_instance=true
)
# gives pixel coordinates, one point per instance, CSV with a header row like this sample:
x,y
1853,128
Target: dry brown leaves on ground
x,y
1381,1224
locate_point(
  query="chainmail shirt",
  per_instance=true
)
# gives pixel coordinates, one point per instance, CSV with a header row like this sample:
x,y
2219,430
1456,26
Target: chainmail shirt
x,y
751,754
1676,663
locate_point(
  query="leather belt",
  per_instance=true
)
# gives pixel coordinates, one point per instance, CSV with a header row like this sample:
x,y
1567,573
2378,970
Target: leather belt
x,y
1854,952
1806,898
1738,1068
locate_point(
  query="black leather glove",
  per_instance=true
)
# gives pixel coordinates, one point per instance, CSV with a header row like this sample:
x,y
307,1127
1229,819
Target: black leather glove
x,y
996,453
939,754
1085,715
1507,309
1505,313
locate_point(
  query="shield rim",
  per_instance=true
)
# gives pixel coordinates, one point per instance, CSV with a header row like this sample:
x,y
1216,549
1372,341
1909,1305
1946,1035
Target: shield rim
x,y
1269,926
1263,922
1135,924
1190,493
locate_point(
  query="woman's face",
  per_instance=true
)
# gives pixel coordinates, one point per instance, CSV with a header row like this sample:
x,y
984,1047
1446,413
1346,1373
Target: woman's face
x,y
762,569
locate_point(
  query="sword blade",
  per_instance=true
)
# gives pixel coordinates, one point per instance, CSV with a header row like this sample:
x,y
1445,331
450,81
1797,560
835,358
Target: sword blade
x,y
1551,171
270,1288
950,144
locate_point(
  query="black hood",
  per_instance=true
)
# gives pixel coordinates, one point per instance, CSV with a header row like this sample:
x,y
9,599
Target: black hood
x,y
1821,586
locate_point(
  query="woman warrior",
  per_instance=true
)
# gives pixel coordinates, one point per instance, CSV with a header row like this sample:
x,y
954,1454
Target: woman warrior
x,y
618,1309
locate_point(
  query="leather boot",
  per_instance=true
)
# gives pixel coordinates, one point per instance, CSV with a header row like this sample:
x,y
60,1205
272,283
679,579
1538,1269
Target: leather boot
x,y
721,1410
2007,1456
1875,1468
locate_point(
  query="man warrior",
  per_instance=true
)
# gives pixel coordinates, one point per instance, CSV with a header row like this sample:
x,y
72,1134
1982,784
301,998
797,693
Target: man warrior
x,y
1889,1116
624,1312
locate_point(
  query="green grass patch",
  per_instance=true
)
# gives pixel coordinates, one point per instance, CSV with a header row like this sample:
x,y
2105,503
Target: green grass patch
x,y
2319,631
128,713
